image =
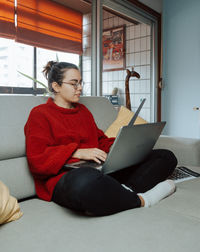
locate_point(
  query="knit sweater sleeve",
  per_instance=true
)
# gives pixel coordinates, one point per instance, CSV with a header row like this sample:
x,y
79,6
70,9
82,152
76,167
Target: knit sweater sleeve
x,y
44,157
104,141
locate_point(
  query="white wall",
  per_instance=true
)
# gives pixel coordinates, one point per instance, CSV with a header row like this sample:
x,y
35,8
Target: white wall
x,y
181,67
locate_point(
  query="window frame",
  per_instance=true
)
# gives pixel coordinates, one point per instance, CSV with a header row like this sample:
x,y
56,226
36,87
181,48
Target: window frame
x,y
25,90
34,90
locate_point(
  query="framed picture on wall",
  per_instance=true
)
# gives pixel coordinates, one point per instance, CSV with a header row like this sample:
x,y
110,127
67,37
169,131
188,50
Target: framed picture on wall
x,y
114,48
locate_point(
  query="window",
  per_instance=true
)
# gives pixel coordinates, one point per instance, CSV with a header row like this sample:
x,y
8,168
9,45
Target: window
x,y
28,26
43,56
13,57
16,57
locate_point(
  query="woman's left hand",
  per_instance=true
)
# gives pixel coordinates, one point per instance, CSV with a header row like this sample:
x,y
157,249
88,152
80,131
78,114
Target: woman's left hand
x,y
94,154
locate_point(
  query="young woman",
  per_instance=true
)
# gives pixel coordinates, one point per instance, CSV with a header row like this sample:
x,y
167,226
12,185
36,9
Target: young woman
x,y
64,131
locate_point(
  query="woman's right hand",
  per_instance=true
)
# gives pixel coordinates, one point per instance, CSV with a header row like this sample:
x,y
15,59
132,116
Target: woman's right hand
x,y
94,154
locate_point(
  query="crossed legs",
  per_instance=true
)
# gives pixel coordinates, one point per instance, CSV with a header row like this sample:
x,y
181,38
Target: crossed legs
x,y
88,190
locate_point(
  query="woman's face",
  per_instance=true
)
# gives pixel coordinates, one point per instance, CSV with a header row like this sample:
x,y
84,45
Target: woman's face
x,y
69,92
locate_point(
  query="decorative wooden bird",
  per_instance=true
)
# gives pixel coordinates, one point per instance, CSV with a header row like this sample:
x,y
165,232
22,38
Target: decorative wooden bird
x,y
128,76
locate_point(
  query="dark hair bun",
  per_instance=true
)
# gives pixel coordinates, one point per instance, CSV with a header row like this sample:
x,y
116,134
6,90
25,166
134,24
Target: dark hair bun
x,y
54,72
48,68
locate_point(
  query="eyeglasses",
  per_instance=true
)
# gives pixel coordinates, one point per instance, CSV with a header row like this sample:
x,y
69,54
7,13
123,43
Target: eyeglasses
x,y
75,85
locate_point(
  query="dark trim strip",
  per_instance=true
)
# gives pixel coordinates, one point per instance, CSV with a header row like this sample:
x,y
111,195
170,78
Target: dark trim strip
x,y
145,8
159,77
21,90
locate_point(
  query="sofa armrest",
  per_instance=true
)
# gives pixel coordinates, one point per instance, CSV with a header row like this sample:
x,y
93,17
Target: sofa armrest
x,y
187,150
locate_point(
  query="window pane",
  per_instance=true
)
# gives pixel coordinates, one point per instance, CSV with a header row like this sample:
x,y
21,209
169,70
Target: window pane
x,y
43,56
15,57
86,58
137,55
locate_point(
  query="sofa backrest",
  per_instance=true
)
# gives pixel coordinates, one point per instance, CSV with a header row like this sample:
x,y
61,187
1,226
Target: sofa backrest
x,y
13,116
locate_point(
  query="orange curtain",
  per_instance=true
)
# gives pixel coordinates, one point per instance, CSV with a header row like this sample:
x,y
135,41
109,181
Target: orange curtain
x,y
49,25
7,18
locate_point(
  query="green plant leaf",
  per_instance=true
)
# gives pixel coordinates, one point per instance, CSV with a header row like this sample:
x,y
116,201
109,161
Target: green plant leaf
x,y
35,80
57,59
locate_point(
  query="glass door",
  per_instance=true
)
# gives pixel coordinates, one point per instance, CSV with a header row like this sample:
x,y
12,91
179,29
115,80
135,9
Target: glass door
x,y
127,44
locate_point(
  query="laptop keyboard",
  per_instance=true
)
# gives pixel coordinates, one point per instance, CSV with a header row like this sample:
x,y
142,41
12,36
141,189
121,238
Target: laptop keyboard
x,y
182,172
89,164
178,174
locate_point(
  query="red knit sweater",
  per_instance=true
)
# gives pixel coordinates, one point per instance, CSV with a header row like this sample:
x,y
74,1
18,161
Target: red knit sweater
x,y
52,135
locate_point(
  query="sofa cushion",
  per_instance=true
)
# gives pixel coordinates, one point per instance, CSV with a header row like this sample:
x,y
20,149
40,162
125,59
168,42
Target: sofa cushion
x,y
123,118
185,200
15,174
46,226
14,114
103,111
185,149
9,207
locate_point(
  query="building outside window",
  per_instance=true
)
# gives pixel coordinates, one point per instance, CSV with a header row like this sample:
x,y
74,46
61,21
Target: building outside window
x,y
16,57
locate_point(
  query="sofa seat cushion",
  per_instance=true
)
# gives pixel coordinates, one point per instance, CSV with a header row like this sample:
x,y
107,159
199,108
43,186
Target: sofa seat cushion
x,y
46,226
185,200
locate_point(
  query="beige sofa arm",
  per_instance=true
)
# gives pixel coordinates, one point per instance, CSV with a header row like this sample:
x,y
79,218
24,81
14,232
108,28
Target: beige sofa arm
x,y
187,150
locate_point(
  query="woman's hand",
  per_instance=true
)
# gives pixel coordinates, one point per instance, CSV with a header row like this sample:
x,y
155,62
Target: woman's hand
x,y
94,154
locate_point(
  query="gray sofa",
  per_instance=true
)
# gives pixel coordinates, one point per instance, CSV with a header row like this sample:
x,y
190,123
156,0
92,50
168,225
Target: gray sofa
x,y
171,225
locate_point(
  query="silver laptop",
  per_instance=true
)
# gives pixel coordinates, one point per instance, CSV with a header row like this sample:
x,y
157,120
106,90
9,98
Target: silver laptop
x,y
132,121
131,146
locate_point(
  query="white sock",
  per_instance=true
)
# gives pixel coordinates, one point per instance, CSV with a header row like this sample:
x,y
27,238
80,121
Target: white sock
x,y
158,192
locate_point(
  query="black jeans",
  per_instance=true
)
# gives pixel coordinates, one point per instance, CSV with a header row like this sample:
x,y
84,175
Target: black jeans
x,y
88,190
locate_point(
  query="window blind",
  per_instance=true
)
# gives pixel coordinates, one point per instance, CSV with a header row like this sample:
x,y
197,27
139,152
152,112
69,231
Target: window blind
x,y
49,25
7,18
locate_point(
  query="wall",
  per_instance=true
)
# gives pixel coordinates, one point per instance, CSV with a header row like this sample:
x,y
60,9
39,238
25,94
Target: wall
x,y
181,67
